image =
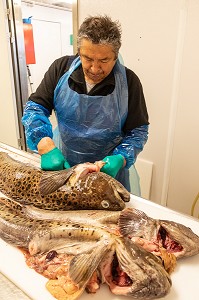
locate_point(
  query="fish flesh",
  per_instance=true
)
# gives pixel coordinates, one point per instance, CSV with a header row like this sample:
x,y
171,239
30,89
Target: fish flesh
x,y
132,271
55,267
56,264
154,234
69,189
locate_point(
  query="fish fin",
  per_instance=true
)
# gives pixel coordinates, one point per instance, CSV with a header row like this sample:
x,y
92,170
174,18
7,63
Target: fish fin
x,y
83,266
53,180
131,220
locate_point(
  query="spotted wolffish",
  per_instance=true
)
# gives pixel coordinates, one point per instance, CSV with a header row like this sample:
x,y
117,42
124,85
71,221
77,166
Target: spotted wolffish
x,y
60,190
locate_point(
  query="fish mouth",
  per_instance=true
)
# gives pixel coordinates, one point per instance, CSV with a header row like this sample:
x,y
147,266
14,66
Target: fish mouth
x,y
120,192
168,243
162,241
119,281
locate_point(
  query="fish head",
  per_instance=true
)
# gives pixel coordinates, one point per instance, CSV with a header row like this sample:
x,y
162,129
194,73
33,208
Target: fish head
x,y
132,271
155,234
178,239
100,191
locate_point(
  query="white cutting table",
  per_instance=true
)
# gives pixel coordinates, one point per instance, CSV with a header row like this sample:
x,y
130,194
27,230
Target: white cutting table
x,y
185,278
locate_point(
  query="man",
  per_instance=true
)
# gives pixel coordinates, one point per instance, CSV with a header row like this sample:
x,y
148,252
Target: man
x,y
99,105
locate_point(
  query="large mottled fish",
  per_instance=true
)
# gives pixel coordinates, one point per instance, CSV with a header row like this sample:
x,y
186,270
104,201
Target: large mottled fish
x,y
60,190
155,234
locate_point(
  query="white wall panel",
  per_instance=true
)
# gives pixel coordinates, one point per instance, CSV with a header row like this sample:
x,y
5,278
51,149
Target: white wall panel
x,y
184,176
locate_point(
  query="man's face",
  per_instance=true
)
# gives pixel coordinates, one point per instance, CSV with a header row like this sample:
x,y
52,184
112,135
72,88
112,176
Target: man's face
x,y
97,60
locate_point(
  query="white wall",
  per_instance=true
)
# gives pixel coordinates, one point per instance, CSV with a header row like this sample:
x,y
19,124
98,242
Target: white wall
x,y
183,185
160,42
8,121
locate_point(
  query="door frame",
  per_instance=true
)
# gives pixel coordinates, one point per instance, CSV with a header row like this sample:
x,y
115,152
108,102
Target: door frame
x,y
19,67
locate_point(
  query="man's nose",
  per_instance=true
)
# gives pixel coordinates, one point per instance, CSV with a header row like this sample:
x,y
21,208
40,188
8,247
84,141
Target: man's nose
x,y
95,67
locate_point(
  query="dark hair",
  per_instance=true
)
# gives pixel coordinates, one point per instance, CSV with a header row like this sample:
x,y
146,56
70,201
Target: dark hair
x,y
100,30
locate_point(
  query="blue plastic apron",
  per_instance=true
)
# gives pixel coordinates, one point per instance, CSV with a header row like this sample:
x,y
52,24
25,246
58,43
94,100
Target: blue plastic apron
x,y
90,127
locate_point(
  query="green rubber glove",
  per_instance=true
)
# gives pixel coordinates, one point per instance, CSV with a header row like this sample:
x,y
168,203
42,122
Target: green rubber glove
x,y
66,165
113,164
53,161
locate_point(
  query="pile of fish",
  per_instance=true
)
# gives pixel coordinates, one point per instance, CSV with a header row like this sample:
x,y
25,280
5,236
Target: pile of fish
x,y
78,250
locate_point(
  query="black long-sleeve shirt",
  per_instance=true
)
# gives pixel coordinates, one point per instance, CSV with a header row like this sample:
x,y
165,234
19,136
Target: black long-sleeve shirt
x,y
44,95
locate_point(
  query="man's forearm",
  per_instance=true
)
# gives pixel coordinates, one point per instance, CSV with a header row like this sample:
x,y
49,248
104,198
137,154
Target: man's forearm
x,y
132,144
37,126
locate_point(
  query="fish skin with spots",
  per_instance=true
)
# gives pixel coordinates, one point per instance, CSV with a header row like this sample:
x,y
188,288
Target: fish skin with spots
x,y
60,190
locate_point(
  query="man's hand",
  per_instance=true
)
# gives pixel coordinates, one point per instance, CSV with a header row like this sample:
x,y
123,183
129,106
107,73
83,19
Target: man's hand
x,y
113,164
51,157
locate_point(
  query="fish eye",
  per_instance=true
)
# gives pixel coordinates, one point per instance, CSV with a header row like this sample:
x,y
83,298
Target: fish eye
x,y
105,204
